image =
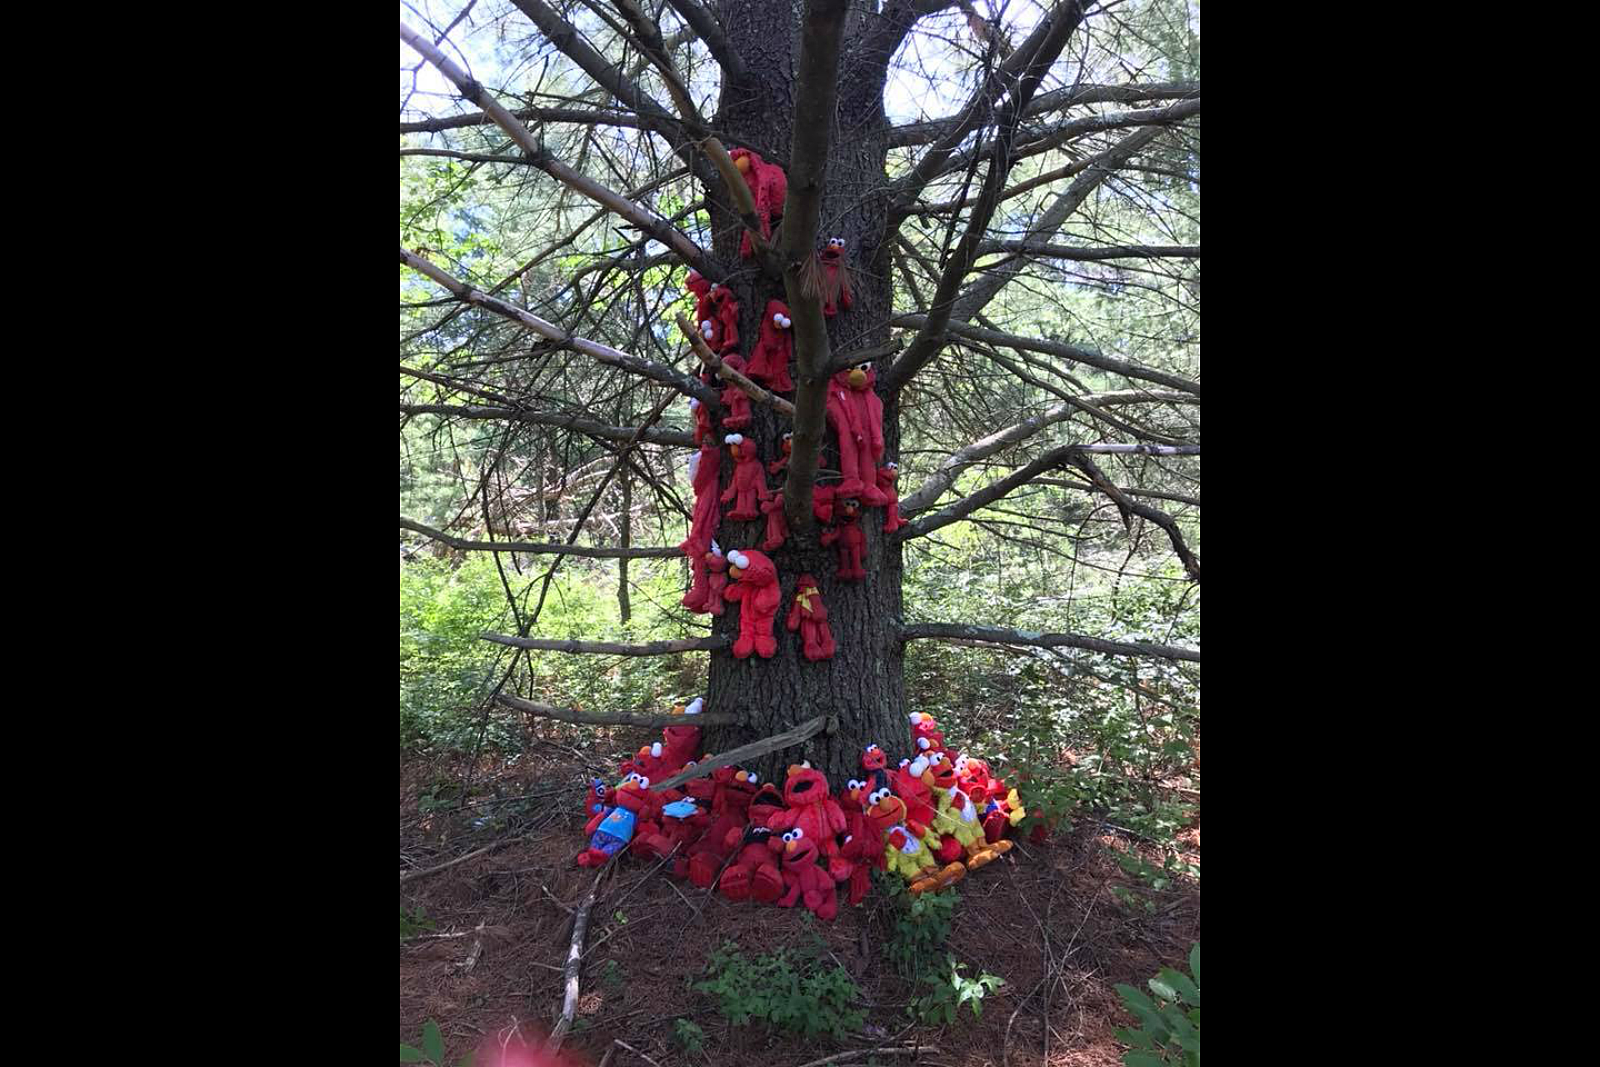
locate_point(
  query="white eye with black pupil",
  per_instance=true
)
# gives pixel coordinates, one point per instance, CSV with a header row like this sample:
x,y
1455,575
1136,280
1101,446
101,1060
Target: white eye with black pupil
x,y
753,778
643,781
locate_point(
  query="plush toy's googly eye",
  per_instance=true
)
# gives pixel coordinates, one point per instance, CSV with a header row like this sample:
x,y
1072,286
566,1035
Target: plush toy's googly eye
x,y
644,782
853,784
904,762
798,833
863,367
915,717
872,748
923,743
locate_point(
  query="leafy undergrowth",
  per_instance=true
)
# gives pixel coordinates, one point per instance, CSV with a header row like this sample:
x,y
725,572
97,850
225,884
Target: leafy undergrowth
x,y
1042,936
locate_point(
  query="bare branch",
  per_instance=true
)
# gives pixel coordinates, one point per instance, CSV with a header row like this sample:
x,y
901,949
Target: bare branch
x,y
1088,357
997,636
727,373
611,648
816,100
646,220
732,757
539,548
528,320
1048,251
576,116
1056,100
709,31
579,717
588,427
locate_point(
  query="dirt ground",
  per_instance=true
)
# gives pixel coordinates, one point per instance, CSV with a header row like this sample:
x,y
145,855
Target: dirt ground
x,y
1044,918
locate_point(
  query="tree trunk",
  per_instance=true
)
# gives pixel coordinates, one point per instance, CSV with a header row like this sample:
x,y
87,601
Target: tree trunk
x,y
863,685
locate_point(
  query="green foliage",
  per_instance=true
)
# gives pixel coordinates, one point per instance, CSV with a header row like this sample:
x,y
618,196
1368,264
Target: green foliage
x,y
948,989
1167,1033
413,923
447,670
787,989
432,1050
689,1036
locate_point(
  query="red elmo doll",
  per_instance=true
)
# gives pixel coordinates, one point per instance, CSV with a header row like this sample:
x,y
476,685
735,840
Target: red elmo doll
x,y
808,615
856,413
887,475
716,582
702,421
836,292
862,848
769,363
811,809
719,322
768,186
735,399
756,590
803,879
852,542
748,490
754,874
777,524
781,464
705,467
731,790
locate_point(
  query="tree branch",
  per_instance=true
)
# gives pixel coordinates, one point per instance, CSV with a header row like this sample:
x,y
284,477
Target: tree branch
x,y
648,221
1049,251
995,635
816,100
576,116
1088,357
588,427
727,373
709,30
594,349
915,133
538,548
611,648
754,749
579,717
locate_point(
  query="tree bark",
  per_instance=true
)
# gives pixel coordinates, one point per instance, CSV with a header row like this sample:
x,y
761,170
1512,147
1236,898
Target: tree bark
x,y
862,686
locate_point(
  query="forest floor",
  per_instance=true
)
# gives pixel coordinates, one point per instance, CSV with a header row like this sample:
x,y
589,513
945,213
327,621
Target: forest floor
x,y
1044,918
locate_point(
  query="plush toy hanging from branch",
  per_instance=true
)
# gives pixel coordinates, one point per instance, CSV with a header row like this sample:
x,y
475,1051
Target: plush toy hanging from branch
x,y
719,322
702,421
777,524
808,615
716,582
769,362
852,542
768,186
781,464
735,399
755,588
856,413
748,490
826,275
888,474
705,468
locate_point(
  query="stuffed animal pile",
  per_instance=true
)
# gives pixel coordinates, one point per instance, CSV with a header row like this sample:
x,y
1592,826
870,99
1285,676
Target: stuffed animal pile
x,y
937,817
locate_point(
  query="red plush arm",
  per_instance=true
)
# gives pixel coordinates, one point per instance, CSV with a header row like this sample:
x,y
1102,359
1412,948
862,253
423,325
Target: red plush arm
x,y
733,488
837,823
594,823
875,423
793,621
830,535
735,591
782,819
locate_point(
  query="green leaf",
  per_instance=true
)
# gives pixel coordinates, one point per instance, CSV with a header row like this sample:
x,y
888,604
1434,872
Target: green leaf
x,y
1161,989
433,1042
1136,1038
1133,997
1142,1059
1187,990
411,1055
1194,962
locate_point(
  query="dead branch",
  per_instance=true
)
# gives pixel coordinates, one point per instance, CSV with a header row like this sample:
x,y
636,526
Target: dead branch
x,y
610,648
788,738
576,423
858,1053
537,547
410,876
727,373
580,926
580,717
997,636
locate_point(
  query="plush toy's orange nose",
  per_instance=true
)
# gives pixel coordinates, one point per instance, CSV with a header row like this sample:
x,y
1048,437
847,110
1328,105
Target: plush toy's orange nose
x,y
858,379
742,776
790,847
743,163
736,572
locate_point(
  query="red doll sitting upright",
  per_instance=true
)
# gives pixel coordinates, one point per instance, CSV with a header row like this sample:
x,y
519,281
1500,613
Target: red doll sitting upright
x,y
811,809
716,581
803,880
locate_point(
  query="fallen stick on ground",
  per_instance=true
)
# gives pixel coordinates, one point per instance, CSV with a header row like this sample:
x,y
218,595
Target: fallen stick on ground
x,y
580,925
857,1053
406,876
